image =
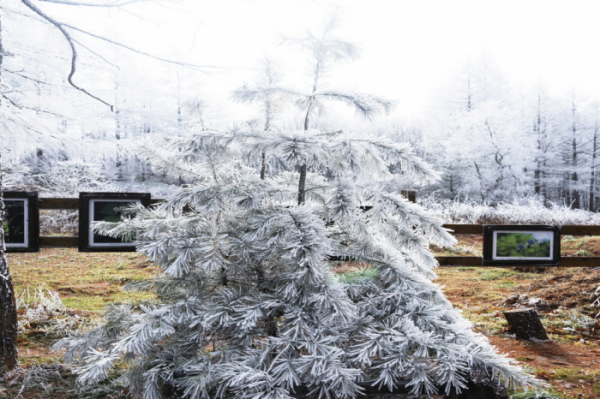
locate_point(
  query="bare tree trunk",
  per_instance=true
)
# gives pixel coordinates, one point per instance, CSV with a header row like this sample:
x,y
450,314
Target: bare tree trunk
x,y
302,182
301,188
592,200
8,307
263,163
538,170
574,176
481,188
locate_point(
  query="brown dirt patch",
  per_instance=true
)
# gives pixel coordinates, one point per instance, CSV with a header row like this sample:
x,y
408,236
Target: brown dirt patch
x,y
102,289
541,354
576,287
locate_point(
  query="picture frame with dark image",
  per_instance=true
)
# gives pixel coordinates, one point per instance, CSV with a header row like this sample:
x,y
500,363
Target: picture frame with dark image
x,y
506,245
21,221
106,207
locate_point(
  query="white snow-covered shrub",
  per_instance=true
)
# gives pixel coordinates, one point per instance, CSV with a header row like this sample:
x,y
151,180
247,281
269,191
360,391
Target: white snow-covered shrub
x,y
44,310
247,304
524,211
16,175
68,178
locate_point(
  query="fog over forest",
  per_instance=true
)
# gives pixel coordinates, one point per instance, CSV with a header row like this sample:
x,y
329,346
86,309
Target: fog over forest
x,y
506,113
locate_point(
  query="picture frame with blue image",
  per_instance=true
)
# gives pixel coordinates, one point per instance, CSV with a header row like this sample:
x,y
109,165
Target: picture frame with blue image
x,y
525,245
94,207
21,222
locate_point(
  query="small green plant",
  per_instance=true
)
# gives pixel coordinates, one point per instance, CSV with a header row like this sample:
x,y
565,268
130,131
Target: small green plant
x,y
490,275
358,276
582,252
505,284
533,394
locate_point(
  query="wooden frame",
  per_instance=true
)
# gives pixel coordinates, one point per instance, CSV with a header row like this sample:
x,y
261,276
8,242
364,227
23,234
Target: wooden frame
x,y
27,237
505,245
95,207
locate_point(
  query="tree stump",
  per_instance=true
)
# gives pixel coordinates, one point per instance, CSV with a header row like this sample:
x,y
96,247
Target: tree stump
x,y
526,324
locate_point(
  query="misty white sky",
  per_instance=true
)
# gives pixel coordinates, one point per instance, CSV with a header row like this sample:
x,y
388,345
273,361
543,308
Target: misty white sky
x,y
409,47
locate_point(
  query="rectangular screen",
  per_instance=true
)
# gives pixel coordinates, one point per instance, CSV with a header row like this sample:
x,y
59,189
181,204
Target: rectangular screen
x,y
521,245
21,221
106,207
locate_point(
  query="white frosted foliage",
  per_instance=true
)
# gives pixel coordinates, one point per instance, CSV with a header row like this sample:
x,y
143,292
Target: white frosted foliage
x,y
247,304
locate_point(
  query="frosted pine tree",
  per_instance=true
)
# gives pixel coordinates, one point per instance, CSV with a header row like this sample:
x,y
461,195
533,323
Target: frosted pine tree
x,y
248,304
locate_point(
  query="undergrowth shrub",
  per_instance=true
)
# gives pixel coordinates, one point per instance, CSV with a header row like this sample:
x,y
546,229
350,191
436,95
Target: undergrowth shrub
x,y
59,222
43,310
525,211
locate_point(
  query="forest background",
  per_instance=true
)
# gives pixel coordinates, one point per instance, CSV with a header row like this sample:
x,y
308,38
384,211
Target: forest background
x,y
509,113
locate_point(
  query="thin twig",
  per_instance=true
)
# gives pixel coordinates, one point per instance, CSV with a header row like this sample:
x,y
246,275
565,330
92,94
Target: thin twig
x,y
19,106
183,64
27,77
60,27
96,54
76,3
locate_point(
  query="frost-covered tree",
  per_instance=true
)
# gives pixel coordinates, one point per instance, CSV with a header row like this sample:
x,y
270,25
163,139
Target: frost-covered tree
x,y
325,49
8,308
248,305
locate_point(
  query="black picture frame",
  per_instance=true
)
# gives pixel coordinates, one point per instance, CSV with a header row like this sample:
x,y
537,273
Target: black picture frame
x,y
100,207
526,245
22,219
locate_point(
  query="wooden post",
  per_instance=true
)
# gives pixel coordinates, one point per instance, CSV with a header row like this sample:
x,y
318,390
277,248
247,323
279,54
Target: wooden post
x,y
526,324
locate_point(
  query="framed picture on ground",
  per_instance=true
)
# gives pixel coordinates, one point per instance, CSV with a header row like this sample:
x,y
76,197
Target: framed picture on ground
x,y
521,245
21,221
105,207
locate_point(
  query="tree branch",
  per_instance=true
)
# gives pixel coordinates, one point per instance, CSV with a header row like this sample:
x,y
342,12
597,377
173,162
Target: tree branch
x,y
27,77
96,54
21,107
76,3
183,64
59,26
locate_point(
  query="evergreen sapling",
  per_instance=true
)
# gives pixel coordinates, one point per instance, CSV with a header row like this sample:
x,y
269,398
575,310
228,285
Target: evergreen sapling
x,y
247,304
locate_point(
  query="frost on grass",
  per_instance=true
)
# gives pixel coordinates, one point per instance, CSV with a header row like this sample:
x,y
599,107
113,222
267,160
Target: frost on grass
x,y
43,310
525,211
247,303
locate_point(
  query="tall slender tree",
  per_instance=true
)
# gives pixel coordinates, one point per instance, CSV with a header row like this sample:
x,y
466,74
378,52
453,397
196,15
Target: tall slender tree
x,y
8,308
325,49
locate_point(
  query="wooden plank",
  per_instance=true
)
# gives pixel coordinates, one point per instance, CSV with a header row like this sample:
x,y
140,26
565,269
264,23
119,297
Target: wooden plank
x,y
73,203
59,242
59,203
579,261
465,228
566,261
459,260
580,230
574,230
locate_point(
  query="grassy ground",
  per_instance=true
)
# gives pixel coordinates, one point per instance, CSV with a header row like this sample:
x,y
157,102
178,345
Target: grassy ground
x,y
85,281
570,362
